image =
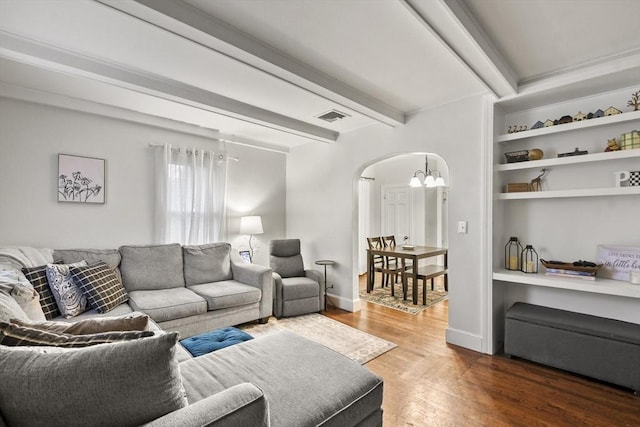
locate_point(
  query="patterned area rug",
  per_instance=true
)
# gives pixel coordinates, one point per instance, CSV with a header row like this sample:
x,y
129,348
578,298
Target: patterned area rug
x,y
382,296
353,343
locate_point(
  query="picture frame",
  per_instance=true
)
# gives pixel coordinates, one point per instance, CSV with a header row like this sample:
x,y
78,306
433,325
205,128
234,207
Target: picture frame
x,y
81,179
246,255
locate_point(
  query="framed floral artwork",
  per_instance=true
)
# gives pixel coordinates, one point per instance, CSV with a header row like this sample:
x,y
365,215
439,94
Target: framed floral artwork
x,y
80,179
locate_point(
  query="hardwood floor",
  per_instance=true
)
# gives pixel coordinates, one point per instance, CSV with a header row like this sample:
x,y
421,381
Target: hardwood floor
x,y
428,382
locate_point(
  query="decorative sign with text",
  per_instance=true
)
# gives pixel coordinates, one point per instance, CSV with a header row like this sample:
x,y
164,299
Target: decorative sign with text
x,y
618,261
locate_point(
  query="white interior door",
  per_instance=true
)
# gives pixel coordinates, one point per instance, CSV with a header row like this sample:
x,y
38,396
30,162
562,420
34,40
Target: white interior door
x,y
396,213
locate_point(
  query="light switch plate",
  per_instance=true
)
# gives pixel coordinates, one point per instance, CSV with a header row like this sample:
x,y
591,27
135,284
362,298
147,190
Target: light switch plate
x,y
462,227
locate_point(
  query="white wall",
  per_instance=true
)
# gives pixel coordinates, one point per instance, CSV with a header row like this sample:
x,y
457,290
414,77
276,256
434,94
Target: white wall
x,y
322,182
32,135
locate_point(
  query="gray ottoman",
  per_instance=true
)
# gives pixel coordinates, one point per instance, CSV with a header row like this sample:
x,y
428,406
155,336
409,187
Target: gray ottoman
x,y
305,383
601,348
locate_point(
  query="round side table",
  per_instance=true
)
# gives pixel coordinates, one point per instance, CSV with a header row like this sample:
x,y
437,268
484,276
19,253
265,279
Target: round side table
x,y
325,262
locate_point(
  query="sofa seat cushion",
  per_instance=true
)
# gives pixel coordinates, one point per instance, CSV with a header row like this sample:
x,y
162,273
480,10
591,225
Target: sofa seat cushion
x,y
299,288
167,304
290,370
226,294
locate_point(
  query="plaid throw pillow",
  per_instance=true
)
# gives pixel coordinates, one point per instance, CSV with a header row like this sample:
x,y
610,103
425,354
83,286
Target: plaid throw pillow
x,y
38,278
101,286
15,335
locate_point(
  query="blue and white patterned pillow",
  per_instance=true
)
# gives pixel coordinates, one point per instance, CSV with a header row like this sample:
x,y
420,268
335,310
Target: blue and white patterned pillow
x,y
70,299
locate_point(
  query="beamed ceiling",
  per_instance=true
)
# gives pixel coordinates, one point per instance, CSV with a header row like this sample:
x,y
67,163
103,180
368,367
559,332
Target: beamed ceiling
x,y
261,72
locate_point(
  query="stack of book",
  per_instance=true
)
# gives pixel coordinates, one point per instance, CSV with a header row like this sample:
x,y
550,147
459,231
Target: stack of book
x,y
573,274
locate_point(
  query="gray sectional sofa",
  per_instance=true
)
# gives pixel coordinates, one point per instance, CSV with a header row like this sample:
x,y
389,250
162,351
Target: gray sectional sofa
x,y
280,379
188,289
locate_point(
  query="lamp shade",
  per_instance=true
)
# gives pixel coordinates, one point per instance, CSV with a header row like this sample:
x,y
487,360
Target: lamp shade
x,y
439,182
429,181
251,225
415,182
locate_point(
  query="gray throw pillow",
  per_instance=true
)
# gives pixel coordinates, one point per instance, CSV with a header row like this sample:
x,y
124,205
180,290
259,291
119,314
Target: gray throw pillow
x,y
12,334
128,322
121,384
70,299
100,285
207,263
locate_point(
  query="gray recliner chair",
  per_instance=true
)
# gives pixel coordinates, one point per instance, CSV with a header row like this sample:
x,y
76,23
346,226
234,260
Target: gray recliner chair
x,y
297,291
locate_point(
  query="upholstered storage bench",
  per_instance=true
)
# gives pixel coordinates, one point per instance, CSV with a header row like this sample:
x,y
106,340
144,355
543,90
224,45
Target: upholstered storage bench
x,y
597,347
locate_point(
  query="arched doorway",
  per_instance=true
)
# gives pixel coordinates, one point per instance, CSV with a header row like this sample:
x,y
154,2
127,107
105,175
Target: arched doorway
x,y
387,205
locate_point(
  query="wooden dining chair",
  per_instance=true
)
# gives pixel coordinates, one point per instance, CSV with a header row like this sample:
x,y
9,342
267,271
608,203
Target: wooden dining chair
x,y
378,260
389,268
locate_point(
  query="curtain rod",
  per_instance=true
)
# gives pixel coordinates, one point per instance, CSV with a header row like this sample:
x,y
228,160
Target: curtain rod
x,y
366,178
220,156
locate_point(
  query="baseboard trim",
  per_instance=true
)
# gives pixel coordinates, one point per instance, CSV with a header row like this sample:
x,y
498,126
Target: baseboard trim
x,y
344,303
464,339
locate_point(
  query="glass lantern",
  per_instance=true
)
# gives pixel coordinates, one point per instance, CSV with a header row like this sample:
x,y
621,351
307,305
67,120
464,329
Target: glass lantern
x,y
512,254
529,260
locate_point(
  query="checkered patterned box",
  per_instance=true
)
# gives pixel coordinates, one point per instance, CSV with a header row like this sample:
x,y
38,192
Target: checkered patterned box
x,y
630,140
634,179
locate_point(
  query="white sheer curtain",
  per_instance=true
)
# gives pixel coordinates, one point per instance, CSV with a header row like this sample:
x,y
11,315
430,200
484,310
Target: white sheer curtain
x,y
191,196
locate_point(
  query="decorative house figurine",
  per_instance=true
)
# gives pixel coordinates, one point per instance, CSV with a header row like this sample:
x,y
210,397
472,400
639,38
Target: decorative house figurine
x,y
556,122
598,113
634,101
565,119
548,123
611,111
589,116
579,117
538,125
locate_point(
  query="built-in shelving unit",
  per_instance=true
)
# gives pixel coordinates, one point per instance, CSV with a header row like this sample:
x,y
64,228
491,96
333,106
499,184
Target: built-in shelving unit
x,y
598,286
583,208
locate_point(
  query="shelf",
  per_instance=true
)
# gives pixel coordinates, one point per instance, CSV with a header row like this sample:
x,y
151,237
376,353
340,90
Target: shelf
x,y
559,161
601,121
583,192
598,286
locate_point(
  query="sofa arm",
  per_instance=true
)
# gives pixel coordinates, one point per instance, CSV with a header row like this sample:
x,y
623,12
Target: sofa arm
x,y
277,295
257,276
317,276
242,404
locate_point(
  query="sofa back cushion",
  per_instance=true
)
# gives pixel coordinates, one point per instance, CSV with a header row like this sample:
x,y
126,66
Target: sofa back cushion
x,y
124,383
151,267
111,257
207,263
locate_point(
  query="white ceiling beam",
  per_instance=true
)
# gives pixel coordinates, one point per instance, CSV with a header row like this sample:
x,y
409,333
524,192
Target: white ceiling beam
x,y
458,31
192,24
24,50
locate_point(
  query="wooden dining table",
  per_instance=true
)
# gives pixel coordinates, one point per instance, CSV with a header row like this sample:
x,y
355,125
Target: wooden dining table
x,y
413,253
